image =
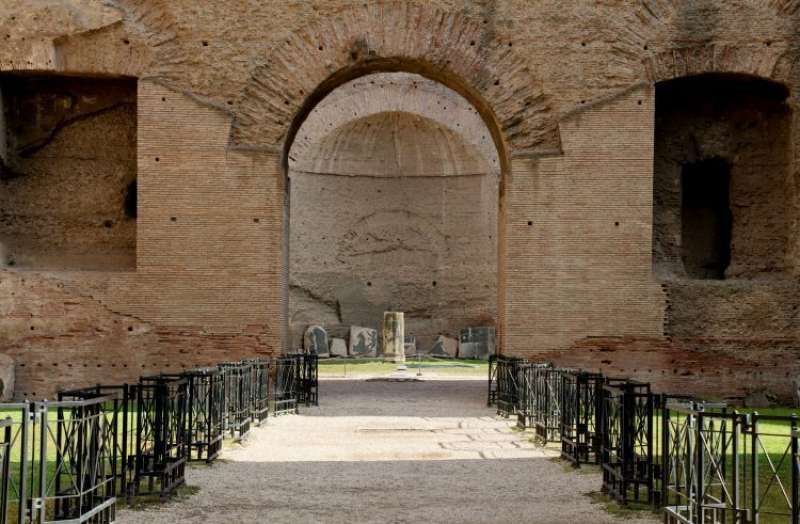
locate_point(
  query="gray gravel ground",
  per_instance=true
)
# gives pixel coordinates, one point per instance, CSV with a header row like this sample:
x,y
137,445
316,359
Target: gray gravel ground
x,y
388,452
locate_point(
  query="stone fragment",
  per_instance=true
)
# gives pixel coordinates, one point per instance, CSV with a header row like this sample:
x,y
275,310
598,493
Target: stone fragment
x,y
363,342
445,347
477,343
6,378
410,345
316,341
394,337
338,347
797,392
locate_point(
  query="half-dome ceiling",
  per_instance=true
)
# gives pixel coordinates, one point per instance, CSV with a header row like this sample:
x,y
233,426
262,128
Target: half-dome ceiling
x,y
383,93
392,144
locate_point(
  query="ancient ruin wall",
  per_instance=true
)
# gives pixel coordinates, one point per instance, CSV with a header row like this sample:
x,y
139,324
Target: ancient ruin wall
x,y
393,206
68,178
222,87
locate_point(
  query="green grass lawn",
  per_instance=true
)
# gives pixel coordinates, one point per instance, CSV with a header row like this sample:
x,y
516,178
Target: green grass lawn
x,y
355,368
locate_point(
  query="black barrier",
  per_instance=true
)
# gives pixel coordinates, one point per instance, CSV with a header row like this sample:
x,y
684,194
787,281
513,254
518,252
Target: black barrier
x,y
581,416
67,463
287,376
77,455
308,367
547,403
161,438
627,443
702,463
259,390
5,465
237,378
491,391
508,381
120,401
723,466
204,417
526,392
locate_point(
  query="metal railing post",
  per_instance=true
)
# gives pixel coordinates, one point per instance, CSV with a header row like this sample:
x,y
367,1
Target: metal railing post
x,y
795,472
755,517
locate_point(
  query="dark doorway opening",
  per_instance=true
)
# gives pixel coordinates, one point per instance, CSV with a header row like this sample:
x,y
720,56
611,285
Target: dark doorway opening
x,y
706,219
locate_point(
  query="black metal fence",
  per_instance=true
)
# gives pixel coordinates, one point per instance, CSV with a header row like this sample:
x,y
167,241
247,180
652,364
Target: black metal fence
x,y
724,466
581,417
70,460
627,452
308,366
259,390
238,396
286,385
508,386
699,462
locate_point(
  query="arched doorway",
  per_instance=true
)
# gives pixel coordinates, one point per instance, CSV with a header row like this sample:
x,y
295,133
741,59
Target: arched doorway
x,y
394,198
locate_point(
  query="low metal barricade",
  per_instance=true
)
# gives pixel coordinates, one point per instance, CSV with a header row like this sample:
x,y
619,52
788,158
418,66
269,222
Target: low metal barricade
x,y
161,437
259,390
719,465
204,419
547,404
237,377
308,392
581,414
627,443
287,374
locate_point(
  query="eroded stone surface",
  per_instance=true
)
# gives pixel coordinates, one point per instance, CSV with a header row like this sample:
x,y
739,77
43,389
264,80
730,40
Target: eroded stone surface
x,y
364,342
316,341
477,343
410,345
398,176
338,347
393,347
7,377
445,347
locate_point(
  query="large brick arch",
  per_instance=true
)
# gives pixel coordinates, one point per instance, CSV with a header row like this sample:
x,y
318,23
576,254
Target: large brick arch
x,y
448,47
763,61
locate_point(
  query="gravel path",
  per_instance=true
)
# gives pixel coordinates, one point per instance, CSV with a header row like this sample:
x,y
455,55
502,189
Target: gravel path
x,y
388,452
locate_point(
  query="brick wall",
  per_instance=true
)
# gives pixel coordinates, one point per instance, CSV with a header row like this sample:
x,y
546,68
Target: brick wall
x,y
579,232
570,107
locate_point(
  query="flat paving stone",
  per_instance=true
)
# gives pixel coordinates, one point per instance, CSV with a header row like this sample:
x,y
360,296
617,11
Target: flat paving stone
x,y
388,452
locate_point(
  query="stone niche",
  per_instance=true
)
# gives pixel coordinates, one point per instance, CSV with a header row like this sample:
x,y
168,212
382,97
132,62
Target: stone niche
x,y
721,193
68,173
724,225
394,199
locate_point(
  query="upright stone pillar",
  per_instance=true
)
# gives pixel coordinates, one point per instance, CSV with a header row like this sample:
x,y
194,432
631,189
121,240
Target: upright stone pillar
x,y
394,337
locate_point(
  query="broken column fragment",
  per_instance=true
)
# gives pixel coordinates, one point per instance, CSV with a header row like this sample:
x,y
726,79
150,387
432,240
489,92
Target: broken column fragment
x,y
394,337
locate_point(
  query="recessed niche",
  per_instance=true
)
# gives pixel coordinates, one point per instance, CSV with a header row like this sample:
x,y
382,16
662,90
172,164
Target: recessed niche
x,y
68,173
720,190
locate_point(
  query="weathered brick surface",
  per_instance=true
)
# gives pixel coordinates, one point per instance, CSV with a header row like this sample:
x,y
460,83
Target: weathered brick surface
x,y
223,86
709,367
